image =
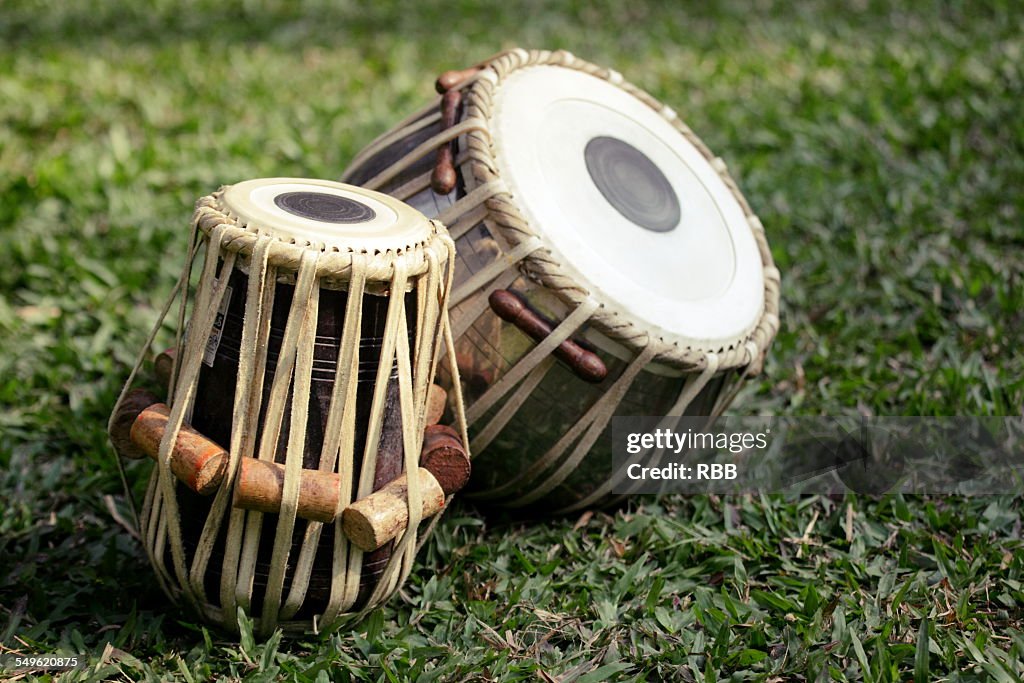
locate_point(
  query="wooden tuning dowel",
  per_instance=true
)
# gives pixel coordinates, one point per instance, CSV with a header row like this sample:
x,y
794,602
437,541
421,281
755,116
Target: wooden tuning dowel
x,y
510,307
260,487
452,79
163,366
200,463
135,401
445,457
196,460
380,517
444,178
437,400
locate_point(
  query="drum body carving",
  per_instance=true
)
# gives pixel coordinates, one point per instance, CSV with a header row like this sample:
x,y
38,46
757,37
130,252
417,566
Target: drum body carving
x,y
593,228
313,337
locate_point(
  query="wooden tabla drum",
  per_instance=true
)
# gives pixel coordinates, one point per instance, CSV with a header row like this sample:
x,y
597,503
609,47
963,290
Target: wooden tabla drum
x,y
298,388
606,265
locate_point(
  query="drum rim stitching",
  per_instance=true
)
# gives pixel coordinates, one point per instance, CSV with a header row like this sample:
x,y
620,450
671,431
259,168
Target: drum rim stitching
x,y
336,263
610,319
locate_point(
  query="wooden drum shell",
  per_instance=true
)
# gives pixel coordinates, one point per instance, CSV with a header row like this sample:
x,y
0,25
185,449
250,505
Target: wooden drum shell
x,y
212,416
318,309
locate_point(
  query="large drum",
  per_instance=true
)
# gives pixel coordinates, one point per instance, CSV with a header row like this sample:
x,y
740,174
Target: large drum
x,y
300,386
607,265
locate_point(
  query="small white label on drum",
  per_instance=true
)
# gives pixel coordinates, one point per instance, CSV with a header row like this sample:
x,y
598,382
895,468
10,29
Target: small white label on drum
x,y
213,342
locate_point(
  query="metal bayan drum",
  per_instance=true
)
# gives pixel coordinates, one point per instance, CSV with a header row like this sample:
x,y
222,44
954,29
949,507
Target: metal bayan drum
x,y
606,265
315,333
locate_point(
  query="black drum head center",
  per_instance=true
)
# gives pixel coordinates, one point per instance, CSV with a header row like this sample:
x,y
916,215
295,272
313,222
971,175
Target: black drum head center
x,y
323,207
632,184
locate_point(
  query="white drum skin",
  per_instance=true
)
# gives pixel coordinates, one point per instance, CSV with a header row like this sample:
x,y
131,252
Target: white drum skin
x,y
700,281
358,218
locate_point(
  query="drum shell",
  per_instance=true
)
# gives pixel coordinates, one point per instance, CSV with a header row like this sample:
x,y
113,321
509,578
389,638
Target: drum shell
x,y
488,347
212,416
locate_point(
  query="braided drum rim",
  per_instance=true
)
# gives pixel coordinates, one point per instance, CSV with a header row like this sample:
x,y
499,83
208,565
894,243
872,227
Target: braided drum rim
x,y
335,264
543,266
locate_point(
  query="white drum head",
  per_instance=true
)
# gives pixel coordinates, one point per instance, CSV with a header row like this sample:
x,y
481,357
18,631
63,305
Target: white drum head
x,y
629,205
325,214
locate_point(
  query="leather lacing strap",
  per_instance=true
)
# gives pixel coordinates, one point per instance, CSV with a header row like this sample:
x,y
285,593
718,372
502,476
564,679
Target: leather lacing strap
x,y
471,201
423,149
424,118
492,270
694,385
586,430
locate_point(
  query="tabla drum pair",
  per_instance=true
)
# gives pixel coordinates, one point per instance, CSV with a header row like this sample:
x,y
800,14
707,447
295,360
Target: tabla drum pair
x,y
289,478
606,264
603,263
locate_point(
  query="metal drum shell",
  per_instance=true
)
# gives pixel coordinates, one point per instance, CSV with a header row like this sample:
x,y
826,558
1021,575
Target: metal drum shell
x,y
561,398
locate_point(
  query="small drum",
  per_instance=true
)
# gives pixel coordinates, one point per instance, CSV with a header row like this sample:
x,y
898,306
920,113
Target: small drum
x,y
607,265
299,387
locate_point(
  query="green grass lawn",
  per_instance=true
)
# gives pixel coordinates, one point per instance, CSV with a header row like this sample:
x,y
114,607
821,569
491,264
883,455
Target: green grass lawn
x,y
883,147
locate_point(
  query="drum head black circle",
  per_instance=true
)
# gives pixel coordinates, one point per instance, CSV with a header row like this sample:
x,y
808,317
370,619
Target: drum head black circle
x,y
323,207
632,184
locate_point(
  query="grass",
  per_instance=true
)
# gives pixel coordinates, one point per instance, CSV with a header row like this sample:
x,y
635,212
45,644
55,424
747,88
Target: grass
x,y
881,145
